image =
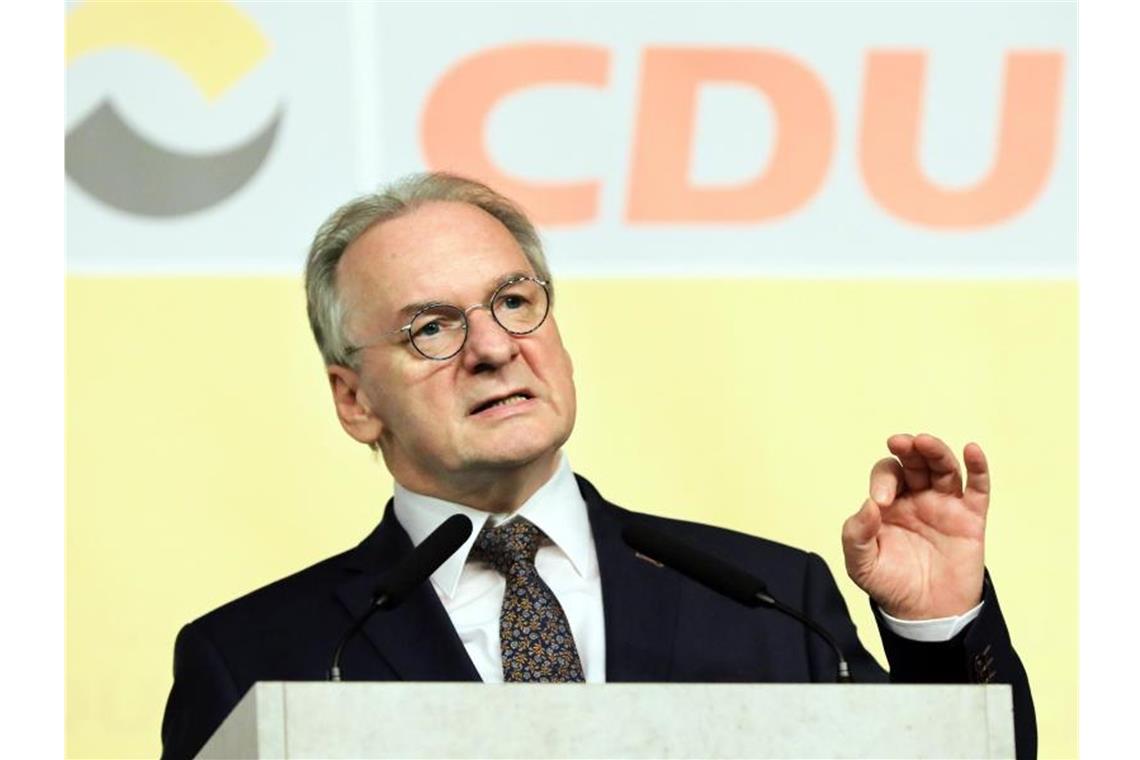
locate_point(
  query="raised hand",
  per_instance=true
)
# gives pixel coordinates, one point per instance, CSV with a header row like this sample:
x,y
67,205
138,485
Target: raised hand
x,y
917,546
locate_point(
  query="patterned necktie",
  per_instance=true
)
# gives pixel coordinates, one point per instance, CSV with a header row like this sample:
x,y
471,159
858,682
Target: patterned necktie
x,y
534,635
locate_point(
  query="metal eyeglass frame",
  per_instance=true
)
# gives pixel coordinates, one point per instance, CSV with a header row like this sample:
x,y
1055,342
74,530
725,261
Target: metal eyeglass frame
x,y
488,305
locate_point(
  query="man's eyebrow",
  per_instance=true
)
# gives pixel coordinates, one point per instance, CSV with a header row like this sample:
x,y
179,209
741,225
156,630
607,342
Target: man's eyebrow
x,y
408,311
507,278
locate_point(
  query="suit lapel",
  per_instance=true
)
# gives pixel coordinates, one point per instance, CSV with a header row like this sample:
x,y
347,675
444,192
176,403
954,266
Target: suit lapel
x,y
641,600
416,640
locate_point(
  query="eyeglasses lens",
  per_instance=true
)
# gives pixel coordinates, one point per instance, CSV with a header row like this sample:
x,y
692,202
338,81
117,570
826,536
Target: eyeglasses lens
x,y
438,332
520,307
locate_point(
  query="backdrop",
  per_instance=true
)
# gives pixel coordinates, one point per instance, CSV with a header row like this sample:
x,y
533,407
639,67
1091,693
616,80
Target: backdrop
x,y
780,233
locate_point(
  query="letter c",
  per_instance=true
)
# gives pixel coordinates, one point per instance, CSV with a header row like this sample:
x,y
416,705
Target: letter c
x,y
454,125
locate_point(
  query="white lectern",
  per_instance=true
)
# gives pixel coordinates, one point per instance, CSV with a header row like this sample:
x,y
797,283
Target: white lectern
x,y
363,719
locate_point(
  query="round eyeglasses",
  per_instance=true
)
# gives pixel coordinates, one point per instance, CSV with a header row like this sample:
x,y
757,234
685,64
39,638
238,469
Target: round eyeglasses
x,y
438,331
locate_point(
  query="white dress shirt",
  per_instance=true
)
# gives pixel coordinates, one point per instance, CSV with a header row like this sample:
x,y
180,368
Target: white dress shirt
x,y
472,592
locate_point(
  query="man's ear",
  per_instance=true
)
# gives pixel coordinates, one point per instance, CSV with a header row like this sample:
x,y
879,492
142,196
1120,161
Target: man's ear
x,y
352,405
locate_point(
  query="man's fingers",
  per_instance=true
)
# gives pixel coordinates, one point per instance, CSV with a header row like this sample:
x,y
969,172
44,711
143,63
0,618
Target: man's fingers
x,y
916,472
860,540
945,474
886,481
863,526
977,494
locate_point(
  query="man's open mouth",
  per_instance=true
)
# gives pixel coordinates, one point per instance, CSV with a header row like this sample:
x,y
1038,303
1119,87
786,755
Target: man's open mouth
x,y
513,398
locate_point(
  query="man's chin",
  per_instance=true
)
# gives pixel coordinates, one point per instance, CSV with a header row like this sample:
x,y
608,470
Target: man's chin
x,y
514,457
518,441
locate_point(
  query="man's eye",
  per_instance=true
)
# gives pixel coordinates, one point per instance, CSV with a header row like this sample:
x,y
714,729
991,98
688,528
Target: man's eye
x,y
436,323
513,301
431,329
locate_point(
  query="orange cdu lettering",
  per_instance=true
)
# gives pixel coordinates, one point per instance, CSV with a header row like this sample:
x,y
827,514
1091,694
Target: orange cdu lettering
x,y
889,145
453,128
660,187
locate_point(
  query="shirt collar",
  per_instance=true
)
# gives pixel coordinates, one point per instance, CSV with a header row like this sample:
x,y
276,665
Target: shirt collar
x,y
557,509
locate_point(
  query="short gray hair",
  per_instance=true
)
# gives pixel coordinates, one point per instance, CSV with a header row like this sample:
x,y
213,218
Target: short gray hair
x,y
353,219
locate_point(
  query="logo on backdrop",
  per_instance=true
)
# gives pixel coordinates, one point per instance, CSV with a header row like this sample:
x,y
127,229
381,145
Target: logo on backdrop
x,y
215,45
660,190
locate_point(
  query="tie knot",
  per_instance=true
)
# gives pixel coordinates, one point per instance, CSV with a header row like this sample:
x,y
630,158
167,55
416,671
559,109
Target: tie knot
x,y
508,544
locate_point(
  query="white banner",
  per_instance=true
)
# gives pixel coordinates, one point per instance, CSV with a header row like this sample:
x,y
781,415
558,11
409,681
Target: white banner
x,y
671,139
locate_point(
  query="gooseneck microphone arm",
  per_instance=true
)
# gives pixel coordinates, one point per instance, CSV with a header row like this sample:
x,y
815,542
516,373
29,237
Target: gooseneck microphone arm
x,y
406,576
334,670
843,671
723,578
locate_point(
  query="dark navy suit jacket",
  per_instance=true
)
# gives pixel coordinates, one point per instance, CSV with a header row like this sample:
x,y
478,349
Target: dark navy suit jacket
x,y
659,627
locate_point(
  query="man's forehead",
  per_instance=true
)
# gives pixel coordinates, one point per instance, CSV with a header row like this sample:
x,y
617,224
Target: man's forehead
x,y
438,292
430,252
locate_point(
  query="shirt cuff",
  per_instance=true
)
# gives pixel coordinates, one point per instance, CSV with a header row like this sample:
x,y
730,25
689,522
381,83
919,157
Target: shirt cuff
x,y
930,631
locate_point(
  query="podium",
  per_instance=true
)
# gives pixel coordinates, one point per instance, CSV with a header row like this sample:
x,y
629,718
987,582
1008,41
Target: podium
x,y
367,719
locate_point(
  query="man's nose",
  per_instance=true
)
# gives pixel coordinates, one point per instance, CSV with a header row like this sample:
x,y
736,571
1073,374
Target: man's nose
x,y
488,345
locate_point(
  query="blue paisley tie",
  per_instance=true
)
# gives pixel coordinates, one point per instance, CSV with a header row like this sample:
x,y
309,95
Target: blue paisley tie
x,y
535,636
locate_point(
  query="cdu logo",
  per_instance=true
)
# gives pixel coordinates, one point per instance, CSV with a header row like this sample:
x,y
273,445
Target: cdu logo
x,y
215,45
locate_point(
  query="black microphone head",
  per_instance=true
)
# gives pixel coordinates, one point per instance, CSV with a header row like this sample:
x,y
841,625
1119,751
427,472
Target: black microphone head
x,y
415,568
700,566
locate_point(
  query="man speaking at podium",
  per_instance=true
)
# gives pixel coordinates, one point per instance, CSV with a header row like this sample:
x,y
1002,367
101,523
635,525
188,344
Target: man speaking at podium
x,y
431,303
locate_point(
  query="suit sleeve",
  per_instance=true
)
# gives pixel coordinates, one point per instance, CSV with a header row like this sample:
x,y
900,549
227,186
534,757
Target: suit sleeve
x,y
203,694
981,653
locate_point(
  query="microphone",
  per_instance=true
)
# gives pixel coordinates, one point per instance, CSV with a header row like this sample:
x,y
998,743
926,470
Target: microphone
x,y
721,577
407,576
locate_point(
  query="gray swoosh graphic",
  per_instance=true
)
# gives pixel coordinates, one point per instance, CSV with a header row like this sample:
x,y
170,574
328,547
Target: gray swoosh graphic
x,y
115,164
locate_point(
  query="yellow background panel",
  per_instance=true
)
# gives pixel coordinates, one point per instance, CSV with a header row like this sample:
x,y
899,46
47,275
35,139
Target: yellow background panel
x,y
204,459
